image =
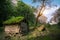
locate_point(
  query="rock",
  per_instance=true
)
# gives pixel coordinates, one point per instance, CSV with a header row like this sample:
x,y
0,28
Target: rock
x,y
41,28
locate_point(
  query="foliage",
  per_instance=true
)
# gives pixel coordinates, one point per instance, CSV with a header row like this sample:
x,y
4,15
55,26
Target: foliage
x,y
14,20
26,11
42,6
54,34
22,9
5,10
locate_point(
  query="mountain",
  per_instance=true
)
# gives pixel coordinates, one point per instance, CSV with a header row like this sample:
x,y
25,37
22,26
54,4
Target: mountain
x,y
42,19
56,17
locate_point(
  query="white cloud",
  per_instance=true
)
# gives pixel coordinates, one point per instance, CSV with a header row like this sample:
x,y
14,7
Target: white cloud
x,y
49,11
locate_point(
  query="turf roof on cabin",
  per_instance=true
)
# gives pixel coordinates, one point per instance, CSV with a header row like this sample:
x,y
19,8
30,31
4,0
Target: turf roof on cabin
x,y
13,20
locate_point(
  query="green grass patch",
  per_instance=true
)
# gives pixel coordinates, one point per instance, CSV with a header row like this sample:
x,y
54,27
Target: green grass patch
x,y
13,20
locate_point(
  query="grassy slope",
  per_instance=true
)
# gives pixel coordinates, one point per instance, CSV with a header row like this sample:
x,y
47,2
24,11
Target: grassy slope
x,y
35,34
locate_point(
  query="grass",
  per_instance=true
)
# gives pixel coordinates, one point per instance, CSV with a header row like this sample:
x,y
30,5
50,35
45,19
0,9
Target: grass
x,y
13,20
1,33
54,34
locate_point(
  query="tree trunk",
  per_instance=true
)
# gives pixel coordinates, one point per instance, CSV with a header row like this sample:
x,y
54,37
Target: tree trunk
x,y
40,12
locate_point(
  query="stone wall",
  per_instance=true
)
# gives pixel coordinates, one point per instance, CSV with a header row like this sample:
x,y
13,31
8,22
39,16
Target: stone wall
x,y
11,29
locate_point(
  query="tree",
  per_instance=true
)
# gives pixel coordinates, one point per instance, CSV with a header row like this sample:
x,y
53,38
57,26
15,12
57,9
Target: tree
x,y
5,10
26,11
42,7
21,9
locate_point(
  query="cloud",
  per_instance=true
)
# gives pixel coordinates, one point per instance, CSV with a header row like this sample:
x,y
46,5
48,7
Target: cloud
x,y
49,11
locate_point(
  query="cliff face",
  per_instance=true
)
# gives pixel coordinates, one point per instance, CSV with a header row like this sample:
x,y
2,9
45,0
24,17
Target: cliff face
x,y
42,19
54,20
56,17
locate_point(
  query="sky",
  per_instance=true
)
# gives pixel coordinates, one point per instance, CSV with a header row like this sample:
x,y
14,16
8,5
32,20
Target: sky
x,y
29,2
48,11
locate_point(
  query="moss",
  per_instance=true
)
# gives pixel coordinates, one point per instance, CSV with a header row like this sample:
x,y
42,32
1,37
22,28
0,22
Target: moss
x,y
13,20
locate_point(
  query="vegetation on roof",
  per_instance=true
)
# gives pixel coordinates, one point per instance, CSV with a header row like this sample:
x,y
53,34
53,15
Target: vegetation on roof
x,y
13,20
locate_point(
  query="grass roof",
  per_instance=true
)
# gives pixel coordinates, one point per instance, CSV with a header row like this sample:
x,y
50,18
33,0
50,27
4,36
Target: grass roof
x,y
13,20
